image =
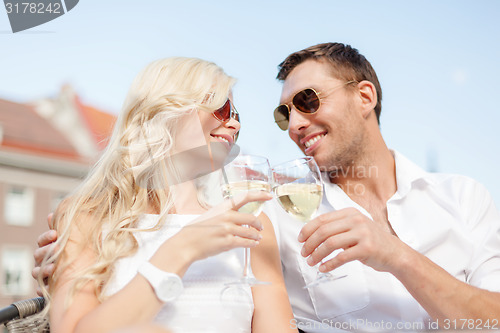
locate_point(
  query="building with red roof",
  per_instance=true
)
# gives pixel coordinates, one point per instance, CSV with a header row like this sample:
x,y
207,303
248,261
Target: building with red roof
x,y
46,148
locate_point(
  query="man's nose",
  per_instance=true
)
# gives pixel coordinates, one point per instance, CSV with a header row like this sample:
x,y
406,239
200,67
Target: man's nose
x,y
298,121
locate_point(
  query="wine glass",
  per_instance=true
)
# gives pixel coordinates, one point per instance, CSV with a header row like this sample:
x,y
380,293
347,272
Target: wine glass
x,y
298,188
247,173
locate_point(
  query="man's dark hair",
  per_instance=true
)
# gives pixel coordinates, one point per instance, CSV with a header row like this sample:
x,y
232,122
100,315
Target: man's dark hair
x,y
346,62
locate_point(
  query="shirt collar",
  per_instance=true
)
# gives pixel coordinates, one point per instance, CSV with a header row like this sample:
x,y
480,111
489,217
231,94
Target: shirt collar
x,y
408,174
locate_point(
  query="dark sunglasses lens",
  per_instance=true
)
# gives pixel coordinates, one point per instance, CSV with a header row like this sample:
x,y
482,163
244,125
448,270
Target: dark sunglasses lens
x,y
306,101
224,113
281,117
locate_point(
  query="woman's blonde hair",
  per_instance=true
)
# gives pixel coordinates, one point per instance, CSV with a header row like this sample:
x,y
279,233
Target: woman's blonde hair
x,y
132,174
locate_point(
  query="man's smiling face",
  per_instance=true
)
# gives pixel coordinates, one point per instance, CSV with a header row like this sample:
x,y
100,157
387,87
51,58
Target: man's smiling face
x,y
335,133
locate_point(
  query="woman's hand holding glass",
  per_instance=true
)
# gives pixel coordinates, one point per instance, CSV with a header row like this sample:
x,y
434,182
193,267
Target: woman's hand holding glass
x,y
222,228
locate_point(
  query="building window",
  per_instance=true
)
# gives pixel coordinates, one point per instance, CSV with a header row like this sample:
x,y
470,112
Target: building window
x,y
19,202
16,271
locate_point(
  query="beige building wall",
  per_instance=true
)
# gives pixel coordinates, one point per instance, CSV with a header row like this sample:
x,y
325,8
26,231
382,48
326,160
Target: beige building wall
x,y
47,190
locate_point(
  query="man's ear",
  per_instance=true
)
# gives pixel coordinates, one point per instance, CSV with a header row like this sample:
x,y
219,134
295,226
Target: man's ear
x,y
368,95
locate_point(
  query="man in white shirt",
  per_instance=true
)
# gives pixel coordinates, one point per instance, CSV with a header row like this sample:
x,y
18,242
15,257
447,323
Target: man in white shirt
x,y
418,250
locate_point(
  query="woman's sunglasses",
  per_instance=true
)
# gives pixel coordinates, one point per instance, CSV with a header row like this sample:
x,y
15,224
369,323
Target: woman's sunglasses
x,y
306,101
225,113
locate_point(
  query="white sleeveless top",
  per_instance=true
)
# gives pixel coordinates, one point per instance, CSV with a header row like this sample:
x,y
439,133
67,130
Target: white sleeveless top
x,y
203,306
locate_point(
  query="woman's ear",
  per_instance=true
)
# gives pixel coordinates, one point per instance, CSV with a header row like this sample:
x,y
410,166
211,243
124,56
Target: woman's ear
x,y
368,95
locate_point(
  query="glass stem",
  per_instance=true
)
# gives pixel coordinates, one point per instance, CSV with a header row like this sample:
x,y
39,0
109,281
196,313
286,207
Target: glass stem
x,y
247,268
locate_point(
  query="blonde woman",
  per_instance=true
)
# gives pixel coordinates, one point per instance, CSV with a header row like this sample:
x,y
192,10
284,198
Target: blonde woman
x,y
137,224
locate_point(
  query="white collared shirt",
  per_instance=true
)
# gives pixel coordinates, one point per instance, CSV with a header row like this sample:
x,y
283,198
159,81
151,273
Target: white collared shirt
x,y
450,219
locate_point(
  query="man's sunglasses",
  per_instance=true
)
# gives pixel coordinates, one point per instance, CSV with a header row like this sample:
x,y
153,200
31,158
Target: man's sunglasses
x,y
225,113
306,101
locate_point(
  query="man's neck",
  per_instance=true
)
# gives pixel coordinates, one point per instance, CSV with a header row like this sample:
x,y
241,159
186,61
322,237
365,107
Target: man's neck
x,y
372,178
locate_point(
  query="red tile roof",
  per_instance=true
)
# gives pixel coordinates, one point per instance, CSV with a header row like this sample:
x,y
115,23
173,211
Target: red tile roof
x,y
26,131
99,123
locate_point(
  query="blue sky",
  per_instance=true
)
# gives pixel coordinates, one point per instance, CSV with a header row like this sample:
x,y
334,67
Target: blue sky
x,y
437,62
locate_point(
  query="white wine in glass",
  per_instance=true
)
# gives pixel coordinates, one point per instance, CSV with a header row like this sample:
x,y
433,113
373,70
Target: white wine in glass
x,y
247,173
299,200
299,190
232,189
